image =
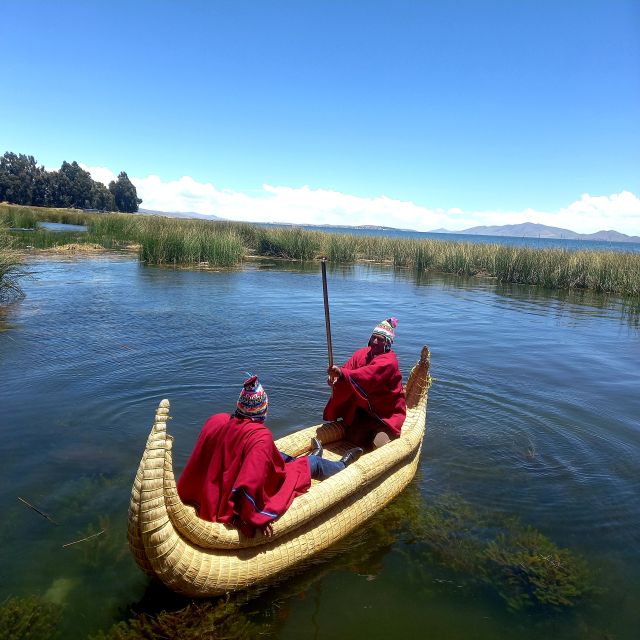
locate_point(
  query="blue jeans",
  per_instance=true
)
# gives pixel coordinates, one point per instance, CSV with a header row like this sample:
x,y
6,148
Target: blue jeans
x,y
320,468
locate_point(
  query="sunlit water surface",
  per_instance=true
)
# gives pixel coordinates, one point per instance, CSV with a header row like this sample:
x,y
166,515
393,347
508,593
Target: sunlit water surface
x,y
533,413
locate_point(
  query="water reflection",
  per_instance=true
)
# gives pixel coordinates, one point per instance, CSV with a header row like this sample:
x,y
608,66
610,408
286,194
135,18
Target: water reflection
x,y
60,226
539,300
574,302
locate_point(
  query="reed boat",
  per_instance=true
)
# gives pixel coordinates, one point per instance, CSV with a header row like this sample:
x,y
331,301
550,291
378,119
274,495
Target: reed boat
x,y
201,559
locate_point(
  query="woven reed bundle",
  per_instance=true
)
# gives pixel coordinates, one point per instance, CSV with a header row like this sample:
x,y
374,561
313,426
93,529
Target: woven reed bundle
x,y
133,529
202,558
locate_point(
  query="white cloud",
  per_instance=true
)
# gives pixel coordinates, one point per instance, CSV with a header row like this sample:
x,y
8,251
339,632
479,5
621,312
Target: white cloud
x,y
100,174
619,211
305,205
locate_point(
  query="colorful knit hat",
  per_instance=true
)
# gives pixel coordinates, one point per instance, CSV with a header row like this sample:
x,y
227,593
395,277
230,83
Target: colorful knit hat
x,y
253,401
386,330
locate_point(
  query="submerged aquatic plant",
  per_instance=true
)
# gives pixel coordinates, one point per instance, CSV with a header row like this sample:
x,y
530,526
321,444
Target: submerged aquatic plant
x,y
475,544
520,563
32,617
528,569
453,532
201,621
100,545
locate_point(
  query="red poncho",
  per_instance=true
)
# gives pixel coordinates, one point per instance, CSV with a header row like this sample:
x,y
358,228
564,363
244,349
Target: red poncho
x,y
373,384
236,475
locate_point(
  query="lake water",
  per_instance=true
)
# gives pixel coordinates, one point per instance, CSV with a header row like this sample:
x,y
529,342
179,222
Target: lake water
x,y
62,226
533,414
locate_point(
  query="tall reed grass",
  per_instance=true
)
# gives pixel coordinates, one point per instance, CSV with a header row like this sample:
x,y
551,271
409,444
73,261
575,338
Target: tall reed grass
x,y
221,243
113,230
292,243
22,217
44,239
341,248
11,269
168,241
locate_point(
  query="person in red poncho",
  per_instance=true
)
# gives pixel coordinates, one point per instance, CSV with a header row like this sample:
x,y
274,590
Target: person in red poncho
x,y
236,475
367,391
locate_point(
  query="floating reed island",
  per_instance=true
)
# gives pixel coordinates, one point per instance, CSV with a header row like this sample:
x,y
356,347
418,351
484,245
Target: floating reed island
x,y
213,243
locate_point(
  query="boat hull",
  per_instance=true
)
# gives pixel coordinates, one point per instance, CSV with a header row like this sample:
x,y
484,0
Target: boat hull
x,y
202,559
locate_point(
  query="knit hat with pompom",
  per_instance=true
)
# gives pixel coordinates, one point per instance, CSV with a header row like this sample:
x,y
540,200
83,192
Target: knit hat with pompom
x,y
386,329
253,401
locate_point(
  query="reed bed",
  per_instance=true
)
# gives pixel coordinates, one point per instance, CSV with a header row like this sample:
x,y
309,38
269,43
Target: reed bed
x,y
342,249
292,243
43,239
17,217
602,271
223,243
11,269
375,249
409,253
22,217
113,230
166,241
251,234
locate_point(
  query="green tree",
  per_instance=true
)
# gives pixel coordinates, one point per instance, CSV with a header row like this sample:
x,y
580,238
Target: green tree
x,y
102,198
124,194
18,174
60,189
76,186
22,181
43,189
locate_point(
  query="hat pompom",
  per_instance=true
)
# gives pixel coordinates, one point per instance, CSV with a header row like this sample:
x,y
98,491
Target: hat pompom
x,y
393,322
250,383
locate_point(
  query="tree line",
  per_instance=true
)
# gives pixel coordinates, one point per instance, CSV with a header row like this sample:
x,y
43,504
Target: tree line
x,y
22,181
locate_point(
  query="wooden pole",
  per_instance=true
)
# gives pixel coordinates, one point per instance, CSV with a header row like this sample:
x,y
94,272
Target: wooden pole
x,y
327,321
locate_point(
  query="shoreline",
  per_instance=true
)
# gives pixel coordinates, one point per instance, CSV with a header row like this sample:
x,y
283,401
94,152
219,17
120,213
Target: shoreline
x,y
222,245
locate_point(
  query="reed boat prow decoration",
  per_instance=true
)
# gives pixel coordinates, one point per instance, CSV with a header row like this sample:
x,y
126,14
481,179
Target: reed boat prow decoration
x,y
201,559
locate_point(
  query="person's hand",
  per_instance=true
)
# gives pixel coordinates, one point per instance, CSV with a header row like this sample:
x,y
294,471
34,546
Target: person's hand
x,y
267,530
335,373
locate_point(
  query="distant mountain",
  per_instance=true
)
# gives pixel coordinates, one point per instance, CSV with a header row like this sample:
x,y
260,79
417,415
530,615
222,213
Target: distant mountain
x,y
533,230
179,214
374,227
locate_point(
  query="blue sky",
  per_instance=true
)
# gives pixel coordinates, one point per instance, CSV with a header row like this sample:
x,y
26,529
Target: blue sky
x,y
408,114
